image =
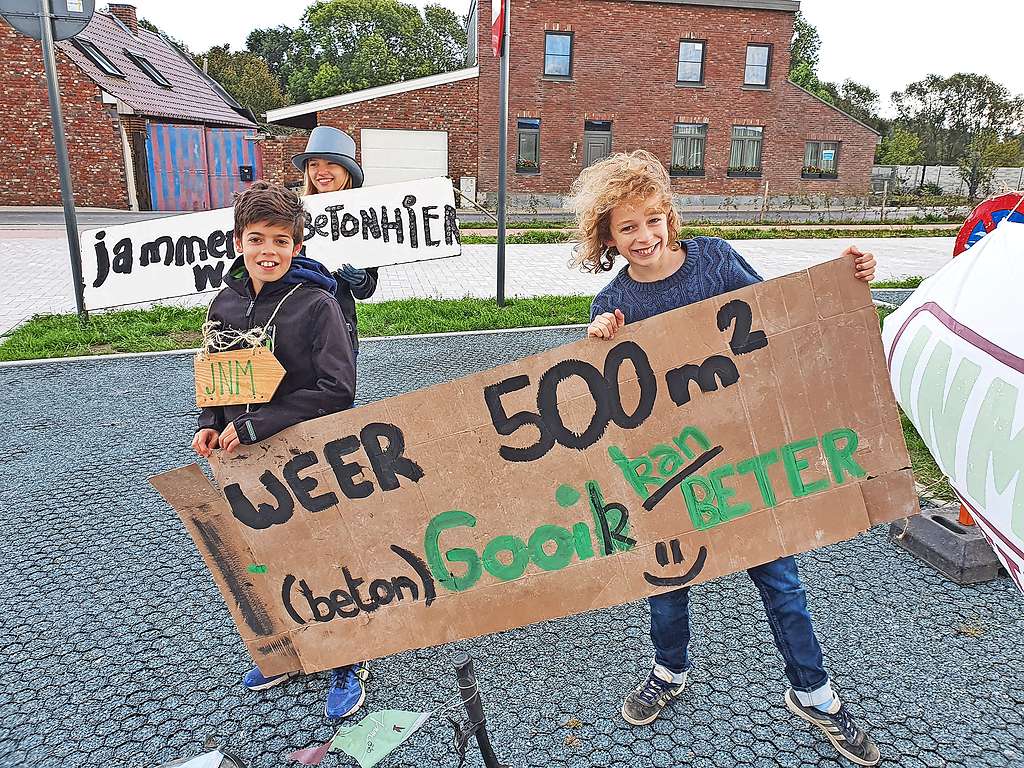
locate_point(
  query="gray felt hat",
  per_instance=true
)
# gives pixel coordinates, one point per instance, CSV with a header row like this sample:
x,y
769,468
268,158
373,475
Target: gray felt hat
x,y
334,145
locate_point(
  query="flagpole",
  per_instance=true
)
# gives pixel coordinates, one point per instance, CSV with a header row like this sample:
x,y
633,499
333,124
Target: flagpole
x,y
502,147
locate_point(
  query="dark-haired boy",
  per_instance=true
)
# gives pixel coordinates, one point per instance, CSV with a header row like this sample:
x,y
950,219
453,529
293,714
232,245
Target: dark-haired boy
x,y
270,286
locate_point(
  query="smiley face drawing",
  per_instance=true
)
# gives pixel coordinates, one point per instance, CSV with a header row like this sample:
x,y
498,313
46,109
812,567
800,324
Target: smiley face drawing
x,y
661,552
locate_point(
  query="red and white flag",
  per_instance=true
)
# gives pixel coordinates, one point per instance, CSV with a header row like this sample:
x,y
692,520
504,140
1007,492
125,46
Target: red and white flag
x,y
497,25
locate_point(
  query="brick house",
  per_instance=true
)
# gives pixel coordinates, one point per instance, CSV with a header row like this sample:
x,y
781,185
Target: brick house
x,y
146,128
700,83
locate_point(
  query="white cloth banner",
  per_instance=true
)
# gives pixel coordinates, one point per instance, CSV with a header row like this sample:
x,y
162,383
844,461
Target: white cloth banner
x,y
956,360
188,254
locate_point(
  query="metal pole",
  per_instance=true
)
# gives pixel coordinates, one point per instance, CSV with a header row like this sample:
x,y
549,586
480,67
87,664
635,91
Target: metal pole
x,y
474,707
503,150
64,168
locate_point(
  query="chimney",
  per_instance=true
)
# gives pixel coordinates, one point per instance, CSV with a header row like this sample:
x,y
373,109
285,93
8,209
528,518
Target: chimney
x,y
127,15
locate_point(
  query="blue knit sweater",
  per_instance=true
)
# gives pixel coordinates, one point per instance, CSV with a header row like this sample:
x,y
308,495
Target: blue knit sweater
x,y
711,267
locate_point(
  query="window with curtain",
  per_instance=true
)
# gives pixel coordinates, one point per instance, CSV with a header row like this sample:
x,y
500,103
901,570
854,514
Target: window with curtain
x,y
745,153
528,154
688,140
821,157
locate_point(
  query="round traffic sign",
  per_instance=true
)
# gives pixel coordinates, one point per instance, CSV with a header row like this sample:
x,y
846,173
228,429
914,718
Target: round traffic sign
x,y
985,217
69,16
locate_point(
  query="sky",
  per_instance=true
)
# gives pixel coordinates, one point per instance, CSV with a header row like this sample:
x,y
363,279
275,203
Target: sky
x,y
886,44
231,21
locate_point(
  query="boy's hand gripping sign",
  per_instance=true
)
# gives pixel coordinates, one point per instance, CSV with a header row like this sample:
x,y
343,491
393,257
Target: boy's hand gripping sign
x,y
699,442
185,255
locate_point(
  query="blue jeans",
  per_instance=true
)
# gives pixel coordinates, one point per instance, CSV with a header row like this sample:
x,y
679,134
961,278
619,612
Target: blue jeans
x,y
785,604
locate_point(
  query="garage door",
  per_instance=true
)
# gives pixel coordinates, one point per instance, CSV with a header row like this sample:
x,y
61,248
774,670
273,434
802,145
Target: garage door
x,y
393,156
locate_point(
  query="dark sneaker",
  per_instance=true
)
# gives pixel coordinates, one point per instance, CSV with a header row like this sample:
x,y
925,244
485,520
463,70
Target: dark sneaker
x,y
643,705
345,694
850,740
255,681
362,671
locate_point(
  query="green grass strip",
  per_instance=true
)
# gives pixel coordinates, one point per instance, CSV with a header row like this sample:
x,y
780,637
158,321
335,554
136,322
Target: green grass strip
x,y
166,327
548,236
567,223
913,281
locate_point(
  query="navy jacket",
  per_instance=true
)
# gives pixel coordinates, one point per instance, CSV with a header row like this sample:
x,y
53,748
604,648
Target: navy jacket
x,y
310,340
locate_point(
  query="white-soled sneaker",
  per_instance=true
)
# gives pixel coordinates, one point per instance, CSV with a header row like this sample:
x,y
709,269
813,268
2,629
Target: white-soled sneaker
x,y
645,703
851,741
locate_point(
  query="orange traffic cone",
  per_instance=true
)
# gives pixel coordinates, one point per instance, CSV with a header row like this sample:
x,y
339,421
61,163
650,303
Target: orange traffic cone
x,y
965,517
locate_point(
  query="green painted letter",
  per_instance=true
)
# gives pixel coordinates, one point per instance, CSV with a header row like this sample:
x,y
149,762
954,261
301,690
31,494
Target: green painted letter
x,y
723,494
697,435
759,466
795,466
454,518
841,459
564,547
629,467
703,511
992,445
498,569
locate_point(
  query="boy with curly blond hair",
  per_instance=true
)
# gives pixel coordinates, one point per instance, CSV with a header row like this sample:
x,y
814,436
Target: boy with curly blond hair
x,y
623,207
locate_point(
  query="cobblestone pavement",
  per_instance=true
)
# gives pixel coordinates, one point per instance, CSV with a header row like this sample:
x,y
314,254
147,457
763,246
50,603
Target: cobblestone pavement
x,y
37,273
116,649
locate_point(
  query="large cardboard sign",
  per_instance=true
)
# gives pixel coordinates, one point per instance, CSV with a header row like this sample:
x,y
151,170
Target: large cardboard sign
x,y
956,354
183,255
699,442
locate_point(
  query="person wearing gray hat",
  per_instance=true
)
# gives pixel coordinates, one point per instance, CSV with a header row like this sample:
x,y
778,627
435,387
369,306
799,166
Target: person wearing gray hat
x,y
329,165
328,147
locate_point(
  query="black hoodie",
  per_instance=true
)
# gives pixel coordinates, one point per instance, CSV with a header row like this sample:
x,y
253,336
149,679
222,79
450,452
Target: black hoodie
x,y
311,342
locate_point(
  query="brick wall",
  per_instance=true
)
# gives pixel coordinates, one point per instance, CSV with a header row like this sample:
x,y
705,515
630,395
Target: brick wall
x,y
28,159
806,118
451,107
624,69
277,158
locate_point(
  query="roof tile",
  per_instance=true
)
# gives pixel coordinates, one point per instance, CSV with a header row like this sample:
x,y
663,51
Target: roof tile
x,y
191,96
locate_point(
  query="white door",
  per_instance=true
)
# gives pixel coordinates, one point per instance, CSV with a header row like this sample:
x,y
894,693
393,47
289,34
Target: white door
x,y
391,156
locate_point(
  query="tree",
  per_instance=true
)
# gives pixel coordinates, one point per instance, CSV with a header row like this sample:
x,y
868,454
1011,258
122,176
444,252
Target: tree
x,y
347,45
860,101
146,24
852,97
447,37
1019,160
803,59
985,152
274,45
950,114
900,147
806,45
245,76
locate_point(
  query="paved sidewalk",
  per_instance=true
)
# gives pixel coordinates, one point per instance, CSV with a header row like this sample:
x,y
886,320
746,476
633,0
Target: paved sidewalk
x,y
37,272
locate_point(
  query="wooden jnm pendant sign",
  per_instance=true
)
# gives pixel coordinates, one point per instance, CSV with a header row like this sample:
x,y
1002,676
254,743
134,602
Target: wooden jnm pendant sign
x,y
237,377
